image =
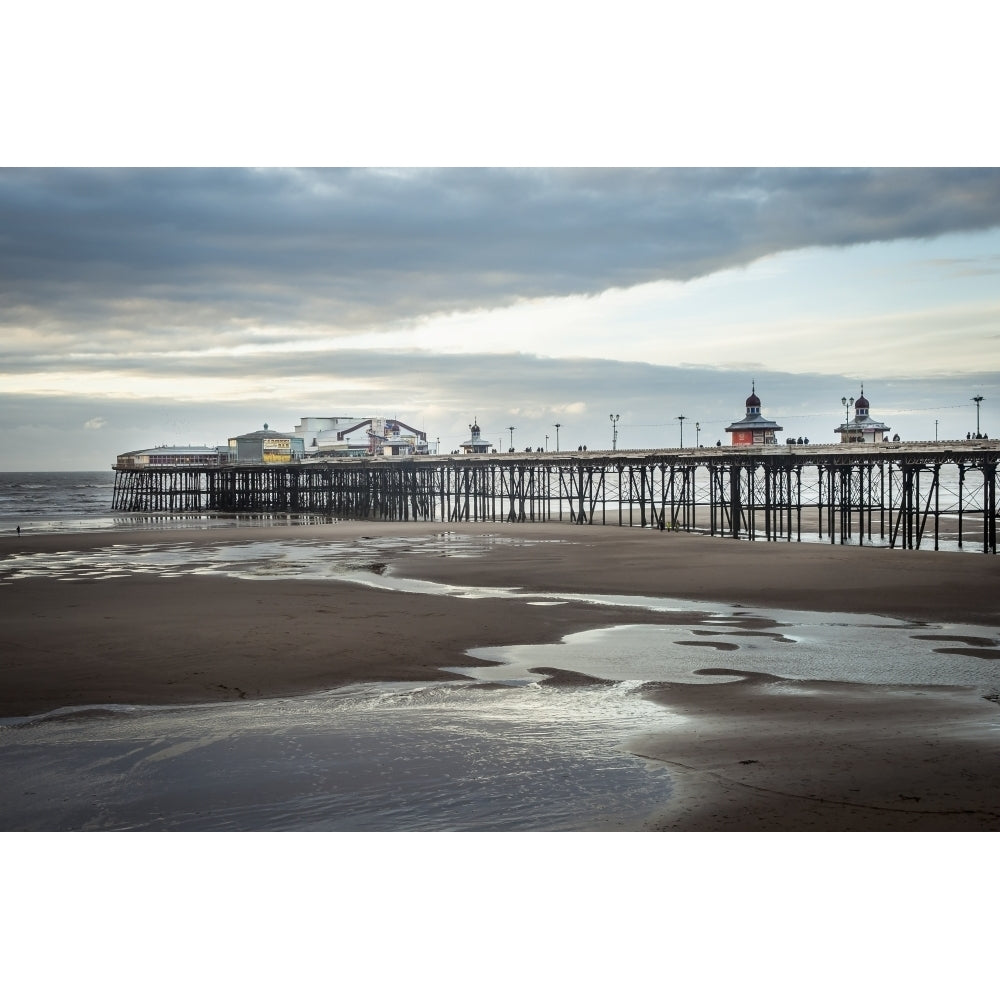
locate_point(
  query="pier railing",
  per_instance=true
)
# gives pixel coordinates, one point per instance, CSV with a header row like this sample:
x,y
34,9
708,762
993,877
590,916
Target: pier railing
x,y
900,495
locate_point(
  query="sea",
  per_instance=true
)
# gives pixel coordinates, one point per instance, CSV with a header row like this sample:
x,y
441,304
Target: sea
x,y
56,501
492,749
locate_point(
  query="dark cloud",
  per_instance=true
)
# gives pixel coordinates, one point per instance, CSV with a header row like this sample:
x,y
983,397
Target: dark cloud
x,y
182,255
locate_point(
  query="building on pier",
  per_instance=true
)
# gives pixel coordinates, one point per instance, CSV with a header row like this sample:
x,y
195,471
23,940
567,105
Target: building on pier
x,y
322,437
863,429
267,447
475,445
753,428
330,437
392,441
174,455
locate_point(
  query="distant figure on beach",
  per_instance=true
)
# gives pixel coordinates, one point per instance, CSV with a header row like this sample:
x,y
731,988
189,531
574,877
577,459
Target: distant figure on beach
x,y
19,529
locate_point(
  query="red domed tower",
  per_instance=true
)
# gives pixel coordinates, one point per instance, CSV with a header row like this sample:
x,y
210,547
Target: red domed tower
x,y
753,428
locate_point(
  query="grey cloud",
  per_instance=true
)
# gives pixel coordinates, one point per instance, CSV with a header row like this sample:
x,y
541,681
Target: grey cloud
x,y
176,253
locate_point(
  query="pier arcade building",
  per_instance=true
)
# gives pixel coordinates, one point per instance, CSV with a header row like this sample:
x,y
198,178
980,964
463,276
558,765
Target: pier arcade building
x,y
266,447
172,456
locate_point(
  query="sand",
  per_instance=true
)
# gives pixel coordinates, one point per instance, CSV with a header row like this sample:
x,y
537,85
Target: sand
x,y
759,753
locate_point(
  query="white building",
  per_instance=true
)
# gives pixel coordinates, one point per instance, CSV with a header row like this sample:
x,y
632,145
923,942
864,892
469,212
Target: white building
x,y
371,436
322,435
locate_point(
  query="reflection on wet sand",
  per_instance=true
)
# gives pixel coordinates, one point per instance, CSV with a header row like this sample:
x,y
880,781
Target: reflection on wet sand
x,y
653,711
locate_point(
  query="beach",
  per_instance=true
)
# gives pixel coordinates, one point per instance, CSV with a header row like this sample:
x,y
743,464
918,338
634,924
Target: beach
x,y
752,750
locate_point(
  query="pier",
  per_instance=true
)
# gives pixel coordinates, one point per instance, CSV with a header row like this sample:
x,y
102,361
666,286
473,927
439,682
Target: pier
x,y
909,496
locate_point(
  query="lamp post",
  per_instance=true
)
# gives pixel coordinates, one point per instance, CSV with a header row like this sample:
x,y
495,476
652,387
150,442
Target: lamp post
x,y
546,442
697,432
511,429
682,419
557,435
614,418
847,404
977,400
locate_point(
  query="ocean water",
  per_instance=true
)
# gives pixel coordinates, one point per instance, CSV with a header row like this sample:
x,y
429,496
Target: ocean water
x,y
56,501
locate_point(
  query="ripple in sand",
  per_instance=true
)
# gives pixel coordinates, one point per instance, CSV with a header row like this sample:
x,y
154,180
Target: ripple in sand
x,y
725,646
776,636
971,640
982,654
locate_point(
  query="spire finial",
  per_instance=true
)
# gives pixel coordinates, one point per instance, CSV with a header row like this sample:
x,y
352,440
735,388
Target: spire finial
x,y
753,386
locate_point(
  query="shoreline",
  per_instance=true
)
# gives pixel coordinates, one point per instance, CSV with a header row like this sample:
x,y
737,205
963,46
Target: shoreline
x,y
135,638
943,586
758,752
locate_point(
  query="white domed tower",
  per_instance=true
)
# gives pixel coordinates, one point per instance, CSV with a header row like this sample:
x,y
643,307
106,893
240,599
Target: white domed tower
x,y
862,429
475,445
753,428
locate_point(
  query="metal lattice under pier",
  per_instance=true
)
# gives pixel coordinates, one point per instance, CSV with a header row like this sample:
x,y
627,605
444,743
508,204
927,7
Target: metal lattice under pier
x,y
909,498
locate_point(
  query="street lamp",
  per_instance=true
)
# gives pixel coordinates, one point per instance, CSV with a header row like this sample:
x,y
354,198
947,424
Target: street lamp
x,y
546,442
511,429
682,419
614,418
977,400
557,436
697,432
847,404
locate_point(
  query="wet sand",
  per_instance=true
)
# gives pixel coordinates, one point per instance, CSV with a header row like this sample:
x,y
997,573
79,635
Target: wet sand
x,y
758,753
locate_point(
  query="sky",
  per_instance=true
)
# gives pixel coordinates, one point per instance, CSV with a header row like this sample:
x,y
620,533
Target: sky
x,y
147,306
543,248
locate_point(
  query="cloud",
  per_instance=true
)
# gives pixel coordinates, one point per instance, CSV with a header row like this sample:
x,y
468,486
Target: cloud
x,y
95,423
218,257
